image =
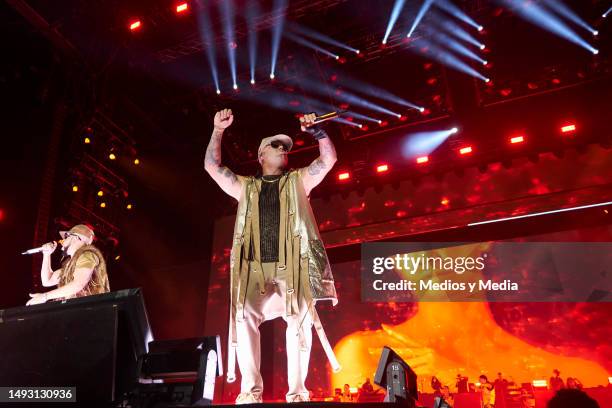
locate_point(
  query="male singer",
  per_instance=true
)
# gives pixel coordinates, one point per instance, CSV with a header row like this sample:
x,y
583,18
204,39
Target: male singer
x,y
278,263
83,273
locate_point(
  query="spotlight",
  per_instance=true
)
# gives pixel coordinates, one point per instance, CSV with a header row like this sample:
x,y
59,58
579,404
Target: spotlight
x,y
517,139
129,206
100,193
399,116
87,140
235,86
595,32
595,52
103,205
252,82
444,201
136,162
487,80
568,128
384,42
539,383
135,25
118,257
421,109
480,28
379,122
357,52
75,188
272,75
360,126
218,92
382,168
454,130
465,150
482,46
181,8
112,156
422,159
484,62
344,176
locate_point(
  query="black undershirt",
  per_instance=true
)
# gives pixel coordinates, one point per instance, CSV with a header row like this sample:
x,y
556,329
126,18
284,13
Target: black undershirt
x,y
269,219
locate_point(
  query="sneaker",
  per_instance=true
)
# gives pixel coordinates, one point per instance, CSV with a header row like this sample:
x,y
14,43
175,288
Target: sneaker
x,y
298,398
248,398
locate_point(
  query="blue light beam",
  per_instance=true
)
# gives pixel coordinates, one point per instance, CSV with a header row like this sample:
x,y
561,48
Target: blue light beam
x,y
539,16
280,9
309,44
305,31
208,39
424,143
422,11
395,12
229,14
455,11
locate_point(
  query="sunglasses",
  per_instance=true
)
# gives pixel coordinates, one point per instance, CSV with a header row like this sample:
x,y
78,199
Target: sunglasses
x,y
276,144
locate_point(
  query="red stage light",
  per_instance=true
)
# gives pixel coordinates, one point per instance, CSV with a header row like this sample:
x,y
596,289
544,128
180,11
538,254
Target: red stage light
x,y
381,168
517,139
568,128
465,150
422,159
181,7
135,25
344,176
444,201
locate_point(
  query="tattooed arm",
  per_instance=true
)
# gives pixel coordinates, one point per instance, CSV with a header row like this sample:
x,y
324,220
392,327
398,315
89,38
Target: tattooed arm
x,y
316,171
225,178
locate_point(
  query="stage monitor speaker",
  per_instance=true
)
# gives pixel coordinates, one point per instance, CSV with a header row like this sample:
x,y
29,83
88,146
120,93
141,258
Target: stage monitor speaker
x,y
194,362
94,343
397,377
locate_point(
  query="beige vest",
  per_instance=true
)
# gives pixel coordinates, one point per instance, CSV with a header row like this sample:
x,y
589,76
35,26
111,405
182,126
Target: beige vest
x,y
301,252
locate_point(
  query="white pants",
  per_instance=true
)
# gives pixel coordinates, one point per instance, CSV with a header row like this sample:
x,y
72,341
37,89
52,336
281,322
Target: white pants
x,y
259,308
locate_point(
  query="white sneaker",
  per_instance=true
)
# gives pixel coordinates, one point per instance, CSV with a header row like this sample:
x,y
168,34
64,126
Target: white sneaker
x,y
248,398
298,398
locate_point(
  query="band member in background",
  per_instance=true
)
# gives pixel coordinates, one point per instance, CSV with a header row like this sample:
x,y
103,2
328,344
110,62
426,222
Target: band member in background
x,y
278,263
83,273
487,391
556,382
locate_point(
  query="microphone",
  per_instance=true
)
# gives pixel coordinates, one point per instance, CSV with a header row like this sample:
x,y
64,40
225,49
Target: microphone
x,y
328,116
39,249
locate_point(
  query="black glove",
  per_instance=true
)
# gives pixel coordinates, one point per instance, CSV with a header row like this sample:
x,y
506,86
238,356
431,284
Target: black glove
x,y
316,131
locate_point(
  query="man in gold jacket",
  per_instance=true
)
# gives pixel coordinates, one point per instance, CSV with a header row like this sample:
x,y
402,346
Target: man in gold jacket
x,y
278,263
82,274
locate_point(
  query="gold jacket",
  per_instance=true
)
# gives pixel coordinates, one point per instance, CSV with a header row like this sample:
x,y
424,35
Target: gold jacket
x,y
98,283
301,252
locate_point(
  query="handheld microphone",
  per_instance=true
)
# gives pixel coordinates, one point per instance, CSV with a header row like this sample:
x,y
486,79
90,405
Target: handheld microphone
x,y
328,116
39,249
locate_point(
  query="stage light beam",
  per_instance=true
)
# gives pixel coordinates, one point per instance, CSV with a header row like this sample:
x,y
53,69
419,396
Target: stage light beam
x,y
395,12
280,8
421,13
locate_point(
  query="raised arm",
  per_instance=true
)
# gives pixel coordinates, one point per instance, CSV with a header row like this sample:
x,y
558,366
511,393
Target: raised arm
x,y
318,169
225,178
47,276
